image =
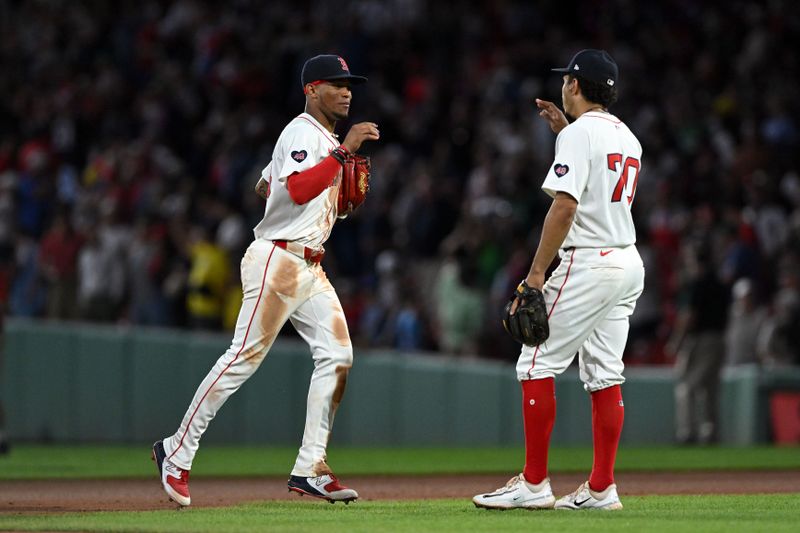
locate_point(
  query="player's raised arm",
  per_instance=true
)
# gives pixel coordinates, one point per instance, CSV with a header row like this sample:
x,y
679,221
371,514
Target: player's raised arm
x,y
552,114
363,131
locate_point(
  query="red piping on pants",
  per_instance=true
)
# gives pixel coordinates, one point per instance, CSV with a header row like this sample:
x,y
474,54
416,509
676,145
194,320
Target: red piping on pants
x,y
566,277
244,343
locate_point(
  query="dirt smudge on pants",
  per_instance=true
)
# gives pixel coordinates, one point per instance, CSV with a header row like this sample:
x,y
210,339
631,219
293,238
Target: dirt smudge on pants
x,y
285,278
321,468
339,327
341,382
283,281
255,354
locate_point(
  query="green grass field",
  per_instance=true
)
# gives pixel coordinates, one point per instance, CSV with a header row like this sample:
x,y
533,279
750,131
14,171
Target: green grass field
x,y
773,513
641,514
42,462
706,513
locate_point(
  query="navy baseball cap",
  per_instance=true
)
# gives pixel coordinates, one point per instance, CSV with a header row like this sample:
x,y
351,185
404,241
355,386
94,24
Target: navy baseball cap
x,y
593,65
328,68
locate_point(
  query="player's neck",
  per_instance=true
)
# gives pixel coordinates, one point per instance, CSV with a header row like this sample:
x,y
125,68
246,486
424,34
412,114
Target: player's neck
x,y
321,118
582,106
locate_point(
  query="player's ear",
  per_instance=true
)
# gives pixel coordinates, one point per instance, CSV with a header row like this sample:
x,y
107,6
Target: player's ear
x,y
573,85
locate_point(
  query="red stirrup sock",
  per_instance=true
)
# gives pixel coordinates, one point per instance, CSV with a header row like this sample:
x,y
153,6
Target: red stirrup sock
x,y
538,414
608,414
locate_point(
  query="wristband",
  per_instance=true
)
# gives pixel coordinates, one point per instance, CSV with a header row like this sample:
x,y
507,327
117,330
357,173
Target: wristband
x,y
340,153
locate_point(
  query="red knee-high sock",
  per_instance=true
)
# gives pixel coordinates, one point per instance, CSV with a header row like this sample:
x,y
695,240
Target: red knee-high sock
x,y
608,414
538,414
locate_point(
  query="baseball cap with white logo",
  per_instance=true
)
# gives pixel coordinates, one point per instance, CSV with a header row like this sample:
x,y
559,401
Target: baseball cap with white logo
x,y
328,67
593,65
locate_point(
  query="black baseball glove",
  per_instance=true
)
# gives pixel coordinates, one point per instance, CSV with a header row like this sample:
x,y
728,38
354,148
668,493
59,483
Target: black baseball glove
x,y
528,325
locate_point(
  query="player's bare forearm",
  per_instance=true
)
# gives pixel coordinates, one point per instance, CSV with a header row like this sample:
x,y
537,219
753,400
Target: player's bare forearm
x,y
556,226
261,188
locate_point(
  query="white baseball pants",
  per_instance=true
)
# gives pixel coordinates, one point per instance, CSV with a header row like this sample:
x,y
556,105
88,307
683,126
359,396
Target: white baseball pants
x,y
589,296
278,286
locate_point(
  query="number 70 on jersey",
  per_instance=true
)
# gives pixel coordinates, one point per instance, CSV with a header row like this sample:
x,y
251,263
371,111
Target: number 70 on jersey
x,y
627,174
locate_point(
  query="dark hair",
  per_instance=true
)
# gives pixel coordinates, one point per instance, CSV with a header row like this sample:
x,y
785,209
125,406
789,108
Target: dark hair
x,y
597,92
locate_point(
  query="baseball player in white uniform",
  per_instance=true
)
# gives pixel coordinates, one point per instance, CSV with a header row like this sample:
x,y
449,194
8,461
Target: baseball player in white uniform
x,y
591,293
283,280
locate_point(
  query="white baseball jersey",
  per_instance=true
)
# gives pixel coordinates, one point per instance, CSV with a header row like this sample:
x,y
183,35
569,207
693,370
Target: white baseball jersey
x,y
302,144
280,286
594,289
597,162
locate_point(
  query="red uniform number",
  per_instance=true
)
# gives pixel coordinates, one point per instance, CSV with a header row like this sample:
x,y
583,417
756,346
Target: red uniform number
x,y
631,163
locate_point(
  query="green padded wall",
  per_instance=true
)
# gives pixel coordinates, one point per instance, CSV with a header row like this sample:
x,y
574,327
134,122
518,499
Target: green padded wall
x,y
71,382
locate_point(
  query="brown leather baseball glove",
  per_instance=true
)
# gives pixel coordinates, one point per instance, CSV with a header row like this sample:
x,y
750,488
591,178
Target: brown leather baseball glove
x,y
355,184
529,323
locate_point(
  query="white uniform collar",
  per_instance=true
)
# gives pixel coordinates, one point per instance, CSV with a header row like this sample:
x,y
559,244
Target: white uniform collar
x,y
601,114
320,127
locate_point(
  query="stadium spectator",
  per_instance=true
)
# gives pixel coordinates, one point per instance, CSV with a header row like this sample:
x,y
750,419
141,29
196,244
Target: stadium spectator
x,y
697,341
209,274
58,258
746,319
118,111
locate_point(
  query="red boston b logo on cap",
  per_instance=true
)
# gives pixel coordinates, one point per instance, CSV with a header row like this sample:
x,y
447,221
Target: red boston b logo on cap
x,y
327,67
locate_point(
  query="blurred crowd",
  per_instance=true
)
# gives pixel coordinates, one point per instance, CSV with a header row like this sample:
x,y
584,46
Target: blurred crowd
x,y
132,135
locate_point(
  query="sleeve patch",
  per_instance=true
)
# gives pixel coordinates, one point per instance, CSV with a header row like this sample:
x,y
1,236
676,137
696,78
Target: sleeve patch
x,y
299,155
560,170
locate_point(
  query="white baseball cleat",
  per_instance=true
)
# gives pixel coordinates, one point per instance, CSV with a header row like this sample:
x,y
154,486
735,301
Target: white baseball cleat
x,y
586,498
518,494
326,486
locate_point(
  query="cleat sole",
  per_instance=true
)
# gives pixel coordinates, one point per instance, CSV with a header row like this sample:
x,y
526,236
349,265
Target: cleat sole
x,y
488,508
301,492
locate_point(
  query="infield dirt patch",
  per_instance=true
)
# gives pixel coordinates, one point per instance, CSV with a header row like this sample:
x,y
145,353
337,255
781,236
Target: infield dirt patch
x,y
47,496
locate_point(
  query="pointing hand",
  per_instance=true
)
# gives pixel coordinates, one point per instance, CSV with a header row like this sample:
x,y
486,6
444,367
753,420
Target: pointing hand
x,y
552,114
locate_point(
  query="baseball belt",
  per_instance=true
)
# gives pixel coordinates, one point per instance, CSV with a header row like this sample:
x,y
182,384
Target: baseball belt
x,y
309,254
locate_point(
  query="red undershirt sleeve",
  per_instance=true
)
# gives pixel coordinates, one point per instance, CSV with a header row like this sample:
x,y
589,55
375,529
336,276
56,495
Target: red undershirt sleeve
x,y
306,185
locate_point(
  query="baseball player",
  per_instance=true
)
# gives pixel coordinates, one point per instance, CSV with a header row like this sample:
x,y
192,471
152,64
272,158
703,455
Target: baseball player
x,y
591,293
282,279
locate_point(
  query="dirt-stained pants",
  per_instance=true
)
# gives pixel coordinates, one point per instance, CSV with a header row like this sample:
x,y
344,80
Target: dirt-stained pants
x,y
278,286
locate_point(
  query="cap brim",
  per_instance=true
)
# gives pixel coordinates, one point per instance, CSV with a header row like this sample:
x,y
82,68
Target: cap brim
x,y
355,80
565,70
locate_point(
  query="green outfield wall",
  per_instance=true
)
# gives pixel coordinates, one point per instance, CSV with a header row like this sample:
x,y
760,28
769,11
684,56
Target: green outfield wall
x,y
70,382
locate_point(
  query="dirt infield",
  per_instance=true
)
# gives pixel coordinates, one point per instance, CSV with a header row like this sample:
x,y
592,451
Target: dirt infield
x,y
41,496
